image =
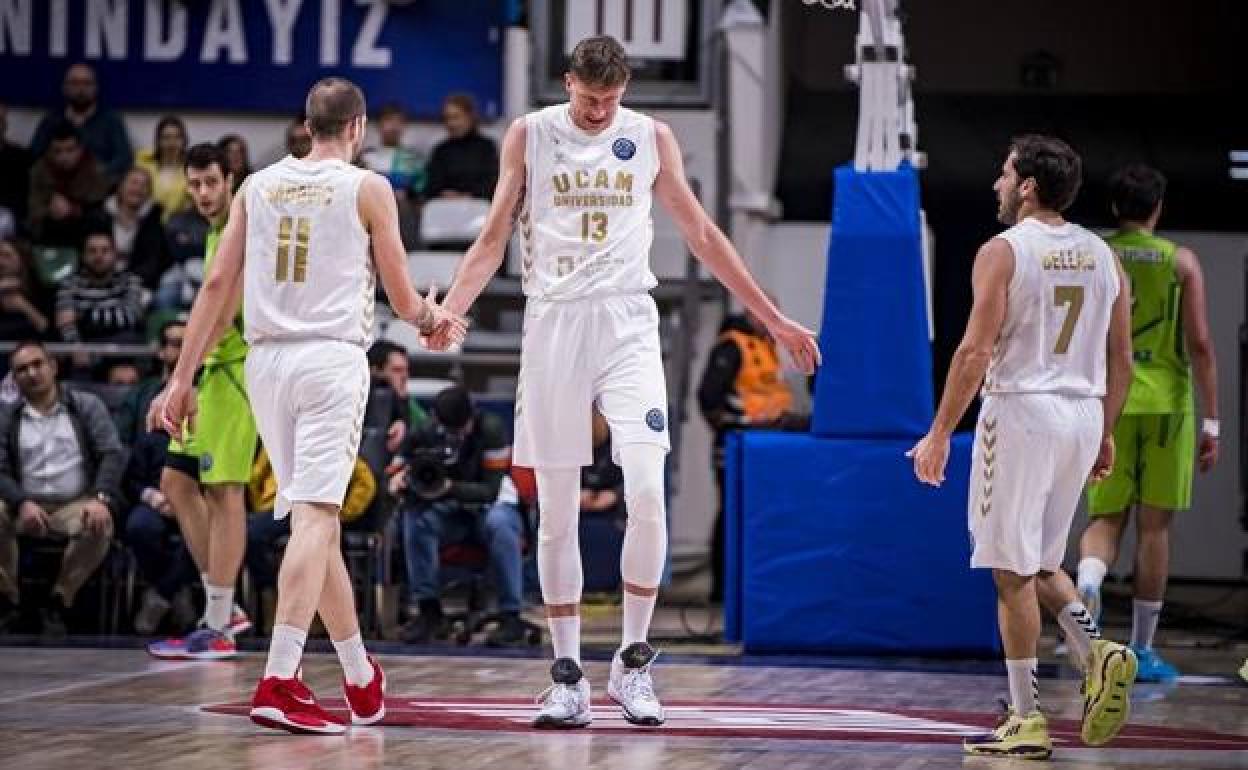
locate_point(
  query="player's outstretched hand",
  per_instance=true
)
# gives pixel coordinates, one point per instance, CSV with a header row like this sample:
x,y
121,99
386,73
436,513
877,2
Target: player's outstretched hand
x,y
179,409
799,342
1104,464
930,456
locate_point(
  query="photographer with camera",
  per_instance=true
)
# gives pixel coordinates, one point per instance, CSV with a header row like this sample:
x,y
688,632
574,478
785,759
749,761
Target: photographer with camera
x,y
448,493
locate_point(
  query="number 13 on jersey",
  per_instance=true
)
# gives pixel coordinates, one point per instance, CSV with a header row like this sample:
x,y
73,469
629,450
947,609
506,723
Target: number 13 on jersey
x,y
301,228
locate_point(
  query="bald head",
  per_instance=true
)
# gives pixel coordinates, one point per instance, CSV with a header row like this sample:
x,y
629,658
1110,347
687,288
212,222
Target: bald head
x,y
332,104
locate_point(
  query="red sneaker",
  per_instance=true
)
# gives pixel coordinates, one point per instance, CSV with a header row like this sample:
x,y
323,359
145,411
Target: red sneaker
x,y
288,704
367,703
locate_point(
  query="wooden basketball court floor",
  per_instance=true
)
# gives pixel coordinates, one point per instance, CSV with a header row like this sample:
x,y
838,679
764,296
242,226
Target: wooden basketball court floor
x,y
75,707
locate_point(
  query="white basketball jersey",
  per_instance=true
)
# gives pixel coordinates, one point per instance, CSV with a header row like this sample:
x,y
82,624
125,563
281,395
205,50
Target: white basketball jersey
x,y
586,226
1058,308
308,272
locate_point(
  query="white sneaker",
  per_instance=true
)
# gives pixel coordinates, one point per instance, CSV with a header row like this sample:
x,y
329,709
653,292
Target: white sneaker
x,y
631,687
151,612
566,703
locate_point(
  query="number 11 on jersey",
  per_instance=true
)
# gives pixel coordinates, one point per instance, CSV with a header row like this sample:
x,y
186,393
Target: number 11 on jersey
x,y
302,229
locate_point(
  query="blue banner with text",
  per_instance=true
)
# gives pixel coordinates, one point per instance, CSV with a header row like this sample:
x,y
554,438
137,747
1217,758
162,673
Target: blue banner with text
x,y
254,55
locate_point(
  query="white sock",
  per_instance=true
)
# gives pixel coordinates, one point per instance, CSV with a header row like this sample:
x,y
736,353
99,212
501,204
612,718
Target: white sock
x,y
565,636
1080,630
1091,573
220,603
285,651
1145,615
1024,686
354,659
637,613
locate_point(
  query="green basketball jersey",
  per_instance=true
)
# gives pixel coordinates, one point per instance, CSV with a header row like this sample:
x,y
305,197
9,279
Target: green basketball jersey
x,y
1162,382
232,346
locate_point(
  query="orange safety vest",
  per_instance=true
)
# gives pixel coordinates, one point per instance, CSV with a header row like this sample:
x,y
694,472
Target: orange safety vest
x,y
763,393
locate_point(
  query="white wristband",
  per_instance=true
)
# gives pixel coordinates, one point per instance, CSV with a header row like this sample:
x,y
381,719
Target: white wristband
x,y
1210,426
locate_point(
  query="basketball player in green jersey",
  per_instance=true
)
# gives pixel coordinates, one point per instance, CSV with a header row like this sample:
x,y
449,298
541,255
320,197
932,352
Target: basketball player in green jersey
x,y
205,474
1156,434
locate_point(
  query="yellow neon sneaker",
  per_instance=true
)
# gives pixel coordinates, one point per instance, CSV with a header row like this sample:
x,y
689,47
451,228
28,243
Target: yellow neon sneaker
x,y
1018,737
1107,691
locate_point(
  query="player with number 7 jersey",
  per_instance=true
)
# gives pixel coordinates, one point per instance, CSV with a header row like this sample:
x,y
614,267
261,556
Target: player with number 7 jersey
x,y
1049,337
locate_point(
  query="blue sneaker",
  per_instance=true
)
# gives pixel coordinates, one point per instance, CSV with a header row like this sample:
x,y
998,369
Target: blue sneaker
x,y
1152,668
168,649
208,644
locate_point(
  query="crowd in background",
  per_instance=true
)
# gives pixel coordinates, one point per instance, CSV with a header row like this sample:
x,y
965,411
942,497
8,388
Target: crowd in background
x,y
100,243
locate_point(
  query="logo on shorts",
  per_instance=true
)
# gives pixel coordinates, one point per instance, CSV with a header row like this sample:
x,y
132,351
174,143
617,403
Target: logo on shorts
x,y
654,418
205,462
623,148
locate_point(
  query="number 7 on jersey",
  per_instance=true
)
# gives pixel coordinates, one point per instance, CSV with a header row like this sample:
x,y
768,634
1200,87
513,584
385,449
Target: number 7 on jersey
x,y
1072,297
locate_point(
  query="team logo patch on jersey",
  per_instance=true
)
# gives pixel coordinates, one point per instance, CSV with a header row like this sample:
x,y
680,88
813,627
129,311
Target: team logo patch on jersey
x,y
623,148
654,419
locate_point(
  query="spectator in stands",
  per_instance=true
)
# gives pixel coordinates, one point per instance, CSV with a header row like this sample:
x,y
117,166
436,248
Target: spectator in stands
x,y
121,373
450,494
65,183
237,159
398,163
100,303
402,165
60,476
298,138
388,363
742,388
21,316
166,163
465,164
15,163
187,236
264,531
134,219
102,130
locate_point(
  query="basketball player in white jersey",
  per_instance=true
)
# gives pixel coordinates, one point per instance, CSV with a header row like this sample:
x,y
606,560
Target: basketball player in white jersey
x,y
298,239
580,176
1049,336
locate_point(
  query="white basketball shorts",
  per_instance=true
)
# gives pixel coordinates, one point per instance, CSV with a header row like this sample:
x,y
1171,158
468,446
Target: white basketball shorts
x,y
1032,456
600,350
308,398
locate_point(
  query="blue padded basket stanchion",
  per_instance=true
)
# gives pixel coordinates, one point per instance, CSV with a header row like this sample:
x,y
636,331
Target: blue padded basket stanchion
x,y
876,378
843,551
